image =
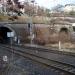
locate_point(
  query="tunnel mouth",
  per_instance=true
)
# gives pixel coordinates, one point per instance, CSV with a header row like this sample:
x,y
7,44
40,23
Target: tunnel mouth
x,y
74,28
64,30
4,38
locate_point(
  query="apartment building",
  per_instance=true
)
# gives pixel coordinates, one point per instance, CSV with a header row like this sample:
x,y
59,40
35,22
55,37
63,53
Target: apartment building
x,y
69,7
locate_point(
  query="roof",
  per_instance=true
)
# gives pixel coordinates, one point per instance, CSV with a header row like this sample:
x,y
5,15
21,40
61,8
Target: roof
x,y
70,5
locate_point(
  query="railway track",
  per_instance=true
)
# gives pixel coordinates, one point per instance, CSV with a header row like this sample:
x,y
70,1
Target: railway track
x,y
43,49
55,64
51,50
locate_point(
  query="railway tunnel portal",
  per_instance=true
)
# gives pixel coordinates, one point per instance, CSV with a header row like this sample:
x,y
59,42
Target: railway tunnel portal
x,y
13,32
7,35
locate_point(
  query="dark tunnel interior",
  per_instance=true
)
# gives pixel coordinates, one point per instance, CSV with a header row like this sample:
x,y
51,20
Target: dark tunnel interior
x,y
3,35
74,28
64,30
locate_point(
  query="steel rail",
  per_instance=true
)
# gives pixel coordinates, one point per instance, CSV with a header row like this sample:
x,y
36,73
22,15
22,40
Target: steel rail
x,y
55,64
43,49
50,50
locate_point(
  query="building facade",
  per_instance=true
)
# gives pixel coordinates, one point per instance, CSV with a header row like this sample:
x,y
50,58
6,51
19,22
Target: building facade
x,y
69,7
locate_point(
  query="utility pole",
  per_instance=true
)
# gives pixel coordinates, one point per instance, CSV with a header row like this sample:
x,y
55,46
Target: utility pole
x,y
30,24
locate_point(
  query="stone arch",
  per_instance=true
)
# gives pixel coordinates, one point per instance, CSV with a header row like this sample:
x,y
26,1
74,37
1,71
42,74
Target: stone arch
x,y
6,34
64,29
64,35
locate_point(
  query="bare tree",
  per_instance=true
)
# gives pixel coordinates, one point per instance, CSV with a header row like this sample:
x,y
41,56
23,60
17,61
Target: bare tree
x,y
14,8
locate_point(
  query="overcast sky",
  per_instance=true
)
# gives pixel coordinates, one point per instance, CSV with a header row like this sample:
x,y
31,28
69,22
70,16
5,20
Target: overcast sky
x,y
52,3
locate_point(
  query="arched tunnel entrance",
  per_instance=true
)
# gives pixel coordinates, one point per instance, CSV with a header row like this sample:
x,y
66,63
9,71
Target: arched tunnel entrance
x,y
5,37
64,30
64,35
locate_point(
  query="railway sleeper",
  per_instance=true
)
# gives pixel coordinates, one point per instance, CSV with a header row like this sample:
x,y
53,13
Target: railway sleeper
x,y
69,69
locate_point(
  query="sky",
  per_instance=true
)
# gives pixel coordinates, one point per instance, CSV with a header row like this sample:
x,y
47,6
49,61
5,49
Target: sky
x,y
51,3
